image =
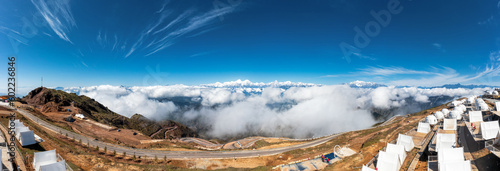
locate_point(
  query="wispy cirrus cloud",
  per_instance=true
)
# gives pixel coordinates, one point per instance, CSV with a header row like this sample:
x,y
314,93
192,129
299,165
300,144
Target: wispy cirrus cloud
x,y
435,76
58,15
381,71
167,29
15,35
439,47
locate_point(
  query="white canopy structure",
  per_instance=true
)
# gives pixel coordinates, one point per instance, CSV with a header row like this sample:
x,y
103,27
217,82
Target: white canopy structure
x,y
452,159
439,115
455,114
489,130
456,166
471,99
497,139
388,161
431,119
44,158
423,127
398,149
481,105
406,141
365,168
445,112
23,133
81,116
456,103
462,107
450,124
445,141
475,116
26,138
497,105
58,166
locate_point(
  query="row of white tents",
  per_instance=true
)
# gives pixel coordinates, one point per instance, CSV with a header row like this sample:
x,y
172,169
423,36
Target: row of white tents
x,y
488,129
23,134
481,105
47,160
394,155
456,113
451,158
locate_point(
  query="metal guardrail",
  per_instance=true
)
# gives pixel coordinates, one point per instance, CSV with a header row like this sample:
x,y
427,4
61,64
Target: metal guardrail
x,y
489,144
65,163
372,160
432,158
17,149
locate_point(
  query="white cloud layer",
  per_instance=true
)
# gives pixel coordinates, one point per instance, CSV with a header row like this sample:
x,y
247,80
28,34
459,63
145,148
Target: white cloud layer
x,y
235,108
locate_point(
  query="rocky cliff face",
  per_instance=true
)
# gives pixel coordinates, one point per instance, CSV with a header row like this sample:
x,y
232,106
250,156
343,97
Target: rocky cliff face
x,y
50,100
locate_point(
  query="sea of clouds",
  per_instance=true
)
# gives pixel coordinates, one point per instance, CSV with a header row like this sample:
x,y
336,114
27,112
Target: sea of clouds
x,y
288,109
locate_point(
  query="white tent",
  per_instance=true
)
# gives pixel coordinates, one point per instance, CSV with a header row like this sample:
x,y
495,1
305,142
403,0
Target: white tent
x,y
406,141
475,116
481,105
423,127
456,103
388,161
23,133
450,124
431,119
58,166
455,166
445,141
398,149
44,158
462,108
451,154
497,139
452,159
445,112
17,125
365,168
439,115
489,129
455,114
81,116
471,99
27,138
497,105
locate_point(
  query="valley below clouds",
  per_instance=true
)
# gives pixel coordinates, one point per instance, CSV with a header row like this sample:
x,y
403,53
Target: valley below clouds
x,y
279,109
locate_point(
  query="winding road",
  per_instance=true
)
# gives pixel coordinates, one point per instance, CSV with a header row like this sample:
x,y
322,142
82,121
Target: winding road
x,y
174,154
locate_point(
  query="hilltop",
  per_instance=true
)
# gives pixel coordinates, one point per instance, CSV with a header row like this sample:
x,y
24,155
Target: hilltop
x,y
50,100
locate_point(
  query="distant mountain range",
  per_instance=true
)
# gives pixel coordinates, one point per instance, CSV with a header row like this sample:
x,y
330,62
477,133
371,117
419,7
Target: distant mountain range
x,y
248,84
458,85
256,87
363,84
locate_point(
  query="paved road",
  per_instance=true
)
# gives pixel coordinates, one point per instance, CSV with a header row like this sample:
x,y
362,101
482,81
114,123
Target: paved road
x,y
174,154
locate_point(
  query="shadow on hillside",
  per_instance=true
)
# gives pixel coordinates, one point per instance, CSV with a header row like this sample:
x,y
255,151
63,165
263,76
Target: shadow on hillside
x,y
36,147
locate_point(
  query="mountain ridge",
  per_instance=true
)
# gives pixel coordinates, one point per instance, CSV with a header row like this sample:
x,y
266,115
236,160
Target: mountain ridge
x,y
51,99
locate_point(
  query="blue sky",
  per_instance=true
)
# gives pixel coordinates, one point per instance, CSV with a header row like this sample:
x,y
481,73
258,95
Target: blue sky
x,y
139,43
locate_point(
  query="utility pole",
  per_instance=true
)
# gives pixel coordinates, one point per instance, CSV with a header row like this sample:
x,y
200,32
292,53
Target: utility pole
x,y
42,82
